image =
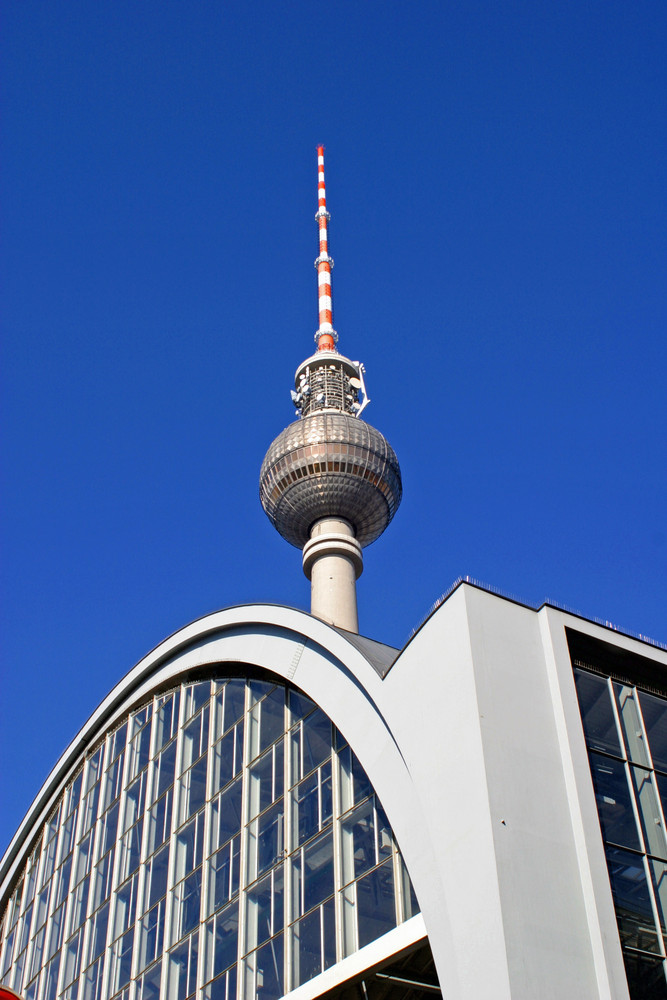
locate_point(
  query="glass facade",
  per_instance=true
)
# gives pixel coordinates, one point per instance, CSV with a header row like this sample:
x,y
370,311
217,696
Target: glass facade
x,y
223,841
626,734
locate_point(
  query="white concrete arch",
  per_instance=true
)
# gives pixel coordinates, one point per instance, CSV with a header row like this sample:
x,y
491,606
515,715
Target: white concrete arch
x,y
294,647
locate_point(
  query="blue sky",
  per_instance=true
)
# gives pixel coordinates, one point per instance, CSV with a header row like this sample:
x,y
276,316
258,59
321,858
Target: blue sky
x,y
495,175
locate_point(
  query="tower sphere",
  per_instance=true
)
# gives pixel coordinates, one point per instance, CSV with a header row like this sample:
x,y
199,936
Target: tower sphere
x,y
330,464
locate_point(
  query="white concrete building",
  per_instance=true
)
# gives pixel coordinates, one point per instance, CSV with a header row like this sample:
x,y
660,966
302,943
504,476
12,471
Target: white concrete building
x,y
208,834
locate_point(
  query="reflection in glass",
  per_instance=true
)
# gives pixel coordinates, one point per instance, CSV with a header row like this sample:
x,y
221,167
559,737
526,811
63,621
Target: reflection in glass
x,y
314,943
596,712
223,879
376,910
221,940
264,915
646,976
265,970
182,969
632,900
659,879
613,800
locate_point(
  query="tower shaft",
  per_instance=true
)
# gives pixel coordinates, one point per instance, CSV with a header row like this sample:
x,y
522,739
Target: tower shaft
x,y
333,561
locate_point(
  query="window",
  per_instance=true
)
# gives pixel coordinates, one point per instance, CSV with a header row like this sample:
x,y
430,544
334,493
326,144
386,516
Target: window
x,y
238,797
626,734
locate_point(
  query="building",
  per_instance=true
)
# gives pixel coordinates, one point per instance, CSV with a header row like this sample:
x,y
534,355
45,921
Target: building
x,y
270,803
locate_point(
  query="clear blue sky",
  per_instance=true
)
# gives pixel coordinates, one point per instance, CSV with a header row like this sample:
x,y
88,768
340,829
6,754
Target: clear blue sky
x,y
496,178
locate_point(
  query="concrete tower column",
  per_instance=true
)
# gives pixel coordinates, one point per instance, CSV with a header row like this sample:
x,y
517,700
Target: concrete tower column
x,y
333,562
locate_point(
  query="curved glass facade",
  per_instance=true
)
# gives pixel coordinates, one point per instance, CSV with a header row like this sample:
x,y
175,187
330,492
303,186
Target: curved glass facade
x,y
223,841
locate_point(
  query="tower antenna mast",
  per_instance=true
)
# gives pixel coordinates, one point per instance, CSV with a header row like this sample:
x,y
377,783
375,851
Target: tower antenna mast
x,y
326,337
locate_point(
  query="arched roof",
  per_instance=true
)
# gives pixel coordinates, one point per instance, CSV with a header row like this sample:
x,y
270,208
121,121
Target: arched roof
x,y
341,673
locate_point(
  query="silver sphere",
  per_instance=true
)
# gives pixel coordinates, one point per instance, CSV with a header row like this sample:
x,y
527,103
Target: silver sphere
x,y
330,464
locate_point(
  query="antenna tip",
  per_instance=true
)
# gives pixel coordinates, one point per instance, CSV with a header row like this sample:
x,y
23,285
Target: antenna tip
x,y
320,150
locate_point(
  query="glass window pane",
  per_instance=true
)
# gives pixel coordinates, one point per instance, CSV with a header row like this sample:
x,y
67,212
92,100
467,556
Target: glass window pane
x,y
134,801
80,902
189,846
631,899
223,761
140,751
122,961
51,979
112,782
300,706
376,910
613,800
306,815
596,712
151,935
654,711
223,880
92,982
230,704
267,721
646,976
156,877
195,739
659,877
84,857
109,828
98,934
358,841
182,970
73,957
226,814
316,734
118,741
221,940
166,719
264,915
193,789
267,966
266,780
159,821
148,986
186,905
165,767
307,939
126,902
195,697
130,849
222,988
270,838
318,870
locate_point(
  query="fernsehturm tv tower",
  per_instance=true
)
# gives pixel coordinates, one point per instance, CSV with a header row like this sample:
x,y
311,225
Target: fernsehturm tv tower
x,y
330,483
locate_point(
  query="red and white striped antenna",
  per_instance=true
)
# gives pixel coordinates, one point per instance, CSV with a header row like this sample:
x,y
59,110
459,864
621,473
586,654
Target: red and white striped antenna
x,y
325,336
